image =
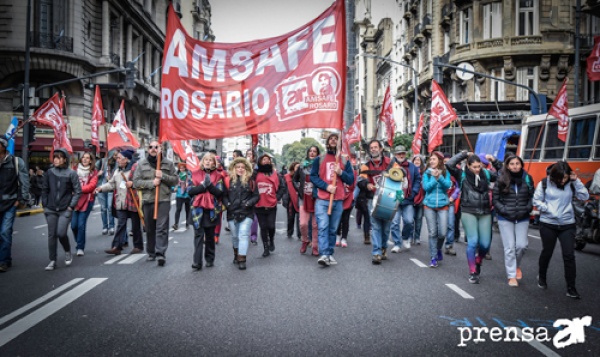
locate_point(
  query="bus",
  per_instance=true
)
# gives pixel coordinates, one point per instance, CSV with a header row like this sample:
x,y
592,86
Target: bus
x,y
581,150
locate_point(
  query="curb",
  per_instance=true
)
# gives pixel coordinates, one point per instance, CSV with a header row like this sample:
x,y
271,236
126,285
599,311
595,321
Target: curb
x,y
30,212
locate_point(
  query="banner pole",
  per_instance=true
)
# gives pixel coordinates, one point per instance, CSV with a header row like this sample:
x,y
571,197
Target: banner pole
x,y
466,137
157,187
137,206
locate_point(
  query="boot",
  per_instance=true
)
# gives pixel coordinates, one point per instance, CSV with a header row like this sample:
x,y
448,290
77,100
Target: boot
x,y
368,238
235,256
272,243
266,246
242,262
383,254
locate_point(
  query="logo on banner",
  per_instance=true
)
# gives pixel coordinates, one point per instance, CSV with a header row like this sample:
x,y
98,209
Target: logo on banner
x,y
330,169
295,97
264,187
376,178
308,188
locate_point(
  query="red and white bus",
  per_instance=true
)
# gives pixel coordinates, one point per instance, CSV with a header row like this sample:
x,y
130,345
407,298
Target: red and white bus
x,y
581,150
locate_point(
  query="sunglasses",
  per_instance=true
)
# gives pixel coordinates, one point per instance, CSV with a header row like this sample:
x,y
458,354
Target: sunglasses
x,y
154,146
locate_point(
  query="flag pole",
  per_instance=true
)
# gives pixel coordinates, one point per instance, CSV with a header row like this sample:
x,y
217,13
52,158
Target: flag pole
x,y
137,206
337,160
465,134
157,187
67,115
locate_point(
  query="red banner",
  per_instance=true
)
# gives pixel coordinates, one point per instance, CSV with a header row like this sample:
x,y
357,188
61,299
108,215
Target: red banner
x,y
593,61
216,90
185,152
560,110
442,114
387,116
416,144
97,119
254,140
351,136
119,135
51,114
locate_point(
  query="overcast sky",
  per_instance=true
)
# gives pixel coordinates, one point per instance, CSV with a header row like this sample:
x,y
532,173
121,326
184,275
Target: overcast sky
x,y
247,20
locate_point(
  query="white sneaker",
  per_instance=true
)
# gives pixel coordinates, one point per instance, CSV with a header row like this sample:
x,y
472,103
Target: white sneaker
x,y
391,242
406,244
344,243
51,266
68,258
323,260
80,253
396,249
337,241
332,261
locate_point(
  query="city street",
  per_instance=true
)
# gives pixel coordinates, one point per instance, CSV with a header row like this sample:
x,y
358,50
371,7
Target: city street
x,y
282,305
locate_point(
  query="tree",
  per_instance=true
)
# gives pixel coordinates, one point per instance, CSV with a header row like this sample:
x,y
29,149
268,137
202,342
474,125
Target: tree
x,y
404,140
277,160
296,151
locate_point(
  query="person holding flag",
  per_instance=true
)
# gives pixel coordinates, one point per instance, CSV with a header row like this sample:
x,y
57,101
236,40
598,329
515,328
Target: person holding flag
x,y
14,190
328,179
146,179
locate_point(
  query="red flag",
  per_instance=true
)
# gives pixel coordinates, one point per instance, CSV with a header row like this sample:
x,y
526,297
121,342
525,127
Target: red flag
x,y
351,136
387,116
416,144
51,114
593,61
254,140
560,110
184,150
119,134
97,119
293,81
442,114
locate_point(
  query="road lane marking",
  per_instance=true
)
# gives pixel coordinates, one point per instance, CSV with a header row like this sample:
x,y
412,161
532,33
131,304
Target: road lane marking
x,y
459,291
538,345
170,238
173,202
42,226
132,258
36,302
12,331
115,259
532,236
418,262
96,213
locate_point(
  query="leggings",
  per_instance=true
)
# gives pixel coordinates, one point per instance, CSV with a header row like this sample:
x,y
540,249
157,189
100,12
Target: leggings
x,y
179,205
345,223
565,234
266,221
478,232
360,215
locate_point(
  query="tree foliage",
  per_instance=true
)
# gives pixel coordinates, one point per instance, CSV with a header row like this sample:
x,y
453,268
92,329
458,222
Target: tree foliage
x,y
296,151
404,140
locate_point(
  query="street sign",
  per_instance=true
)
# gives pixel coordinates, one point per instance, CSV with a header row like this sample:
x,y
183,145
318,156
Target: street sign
x,y
465,76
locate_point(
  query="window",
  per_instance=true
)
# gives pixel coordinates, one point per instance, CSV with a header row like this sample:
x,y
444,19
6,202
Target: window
x,y
465,25
532,134
446,42
553,148
526,76
527,18
581,138
497,87
492,20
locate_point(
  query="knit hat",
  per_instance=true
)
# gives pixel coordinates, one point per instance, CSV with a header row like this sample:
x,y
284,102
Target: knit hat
x,y
439,154
127,153
447,156
218,158
483,159
182,164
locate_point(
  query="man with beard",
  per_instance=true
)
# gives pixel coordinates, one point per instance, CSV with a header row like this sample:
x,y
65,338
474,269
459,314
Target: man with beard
x,y
322,177
147,178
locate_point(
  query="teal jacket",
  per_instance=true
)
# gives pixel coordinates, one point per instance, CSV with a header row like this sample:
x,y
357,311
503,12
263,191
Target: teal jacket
x,y
436,191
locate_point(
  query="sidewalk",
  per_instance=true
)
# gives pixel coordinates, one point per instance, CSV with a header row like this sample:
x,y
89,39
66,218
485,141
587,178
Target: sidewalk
x,y
29,211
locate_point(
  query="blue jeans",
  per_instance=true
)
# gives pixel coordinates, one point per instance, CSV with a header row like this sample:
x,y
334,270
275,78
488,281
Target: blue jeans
x,y
328,224
407,213
7,218
240,234
451,222
78,224
418,222
380,232
437,225
108,221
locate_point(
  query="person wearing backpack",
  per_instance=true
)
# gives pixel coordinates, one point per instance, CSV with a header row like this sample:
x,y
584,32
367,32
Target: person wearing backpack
x,y
239,199
436,182
476,215
557,220
513,199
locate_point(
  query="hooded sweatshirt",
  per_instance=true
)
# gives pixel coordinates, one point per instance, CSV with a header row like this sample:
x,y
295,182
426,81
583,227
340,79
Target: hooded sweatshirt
x,y
61,188
555,203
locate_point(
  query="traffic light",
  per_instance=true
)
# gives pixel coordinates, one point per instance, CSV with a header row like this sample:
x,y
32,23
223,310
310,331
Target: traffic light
x,y
131,75
31,132
438,71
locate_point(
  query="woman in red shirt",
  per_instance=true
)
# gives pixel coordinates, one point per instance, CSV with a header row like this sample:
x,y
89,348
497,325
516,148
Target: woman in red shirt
x,y
271,191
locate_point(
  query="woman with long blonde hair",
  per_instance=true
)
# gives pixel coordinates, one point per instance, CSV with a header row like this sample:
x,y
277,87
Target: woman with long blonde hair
x,y
241,197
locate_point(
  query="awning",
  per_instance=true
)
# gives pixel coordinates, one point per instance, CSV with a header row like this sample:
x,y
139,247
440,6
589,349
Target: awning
x,y
45,144
494,143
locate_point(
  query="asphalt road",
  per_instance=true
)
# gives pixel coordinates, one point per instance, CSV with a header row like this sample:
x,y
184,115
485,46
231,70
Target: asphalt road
x,y
282,305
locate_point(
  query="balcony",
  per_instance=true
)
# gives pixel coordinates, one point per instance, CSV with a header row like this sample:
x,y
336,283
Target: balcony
x,y
463,48
54,42
494,42
426,24
526,40
115,59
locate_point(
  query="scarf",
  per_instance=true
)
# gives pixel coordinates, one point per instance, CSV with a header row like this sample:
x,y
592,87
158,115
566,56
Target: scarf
x,y
83,171
478,182
516,178
308,162
152,160
265,169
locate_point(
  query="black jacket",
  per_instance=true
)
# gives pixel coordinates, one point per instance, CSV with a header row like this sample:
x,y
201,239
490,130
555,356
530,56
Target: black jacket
x,y
472,201
286,199
299,178
514,206
240,200
61,188
36,182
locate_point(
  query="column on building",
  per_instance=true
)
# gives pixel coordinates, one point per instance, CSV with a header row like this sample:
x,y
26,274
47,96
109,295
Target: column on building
x,y
105,32
129,55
